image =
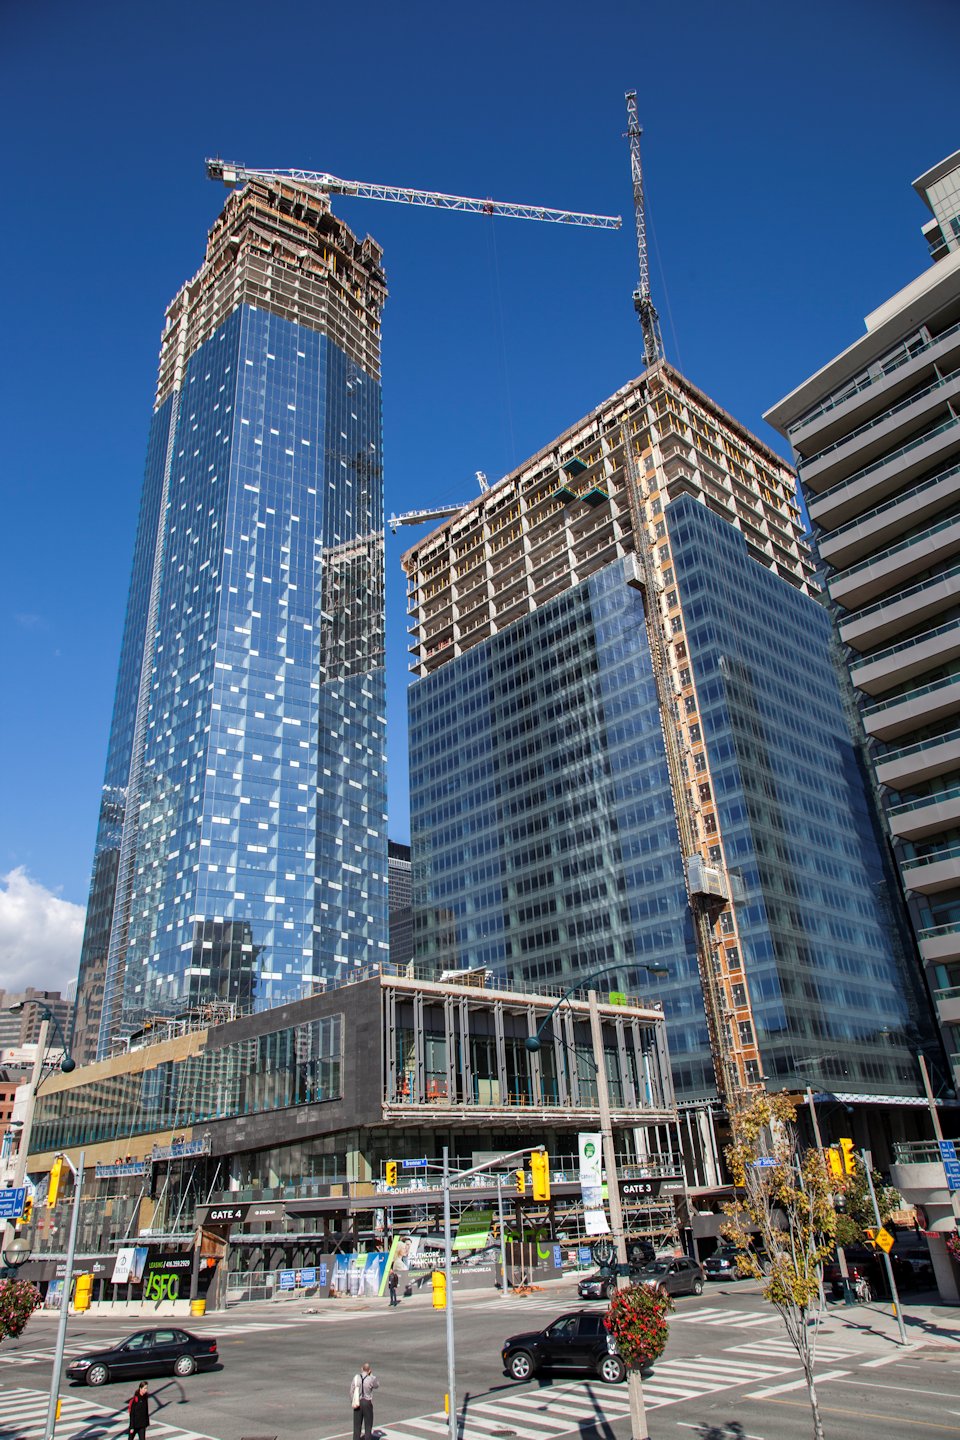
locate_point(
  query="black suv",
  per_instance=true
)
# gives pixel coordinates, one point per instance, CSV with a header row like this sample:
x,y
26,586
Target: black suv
x,y
578,1341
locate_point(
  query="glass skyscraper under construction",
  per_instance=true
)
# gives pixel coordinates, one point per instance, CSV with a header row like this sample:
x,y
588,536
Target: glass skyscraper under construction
x,y
628,749
241,854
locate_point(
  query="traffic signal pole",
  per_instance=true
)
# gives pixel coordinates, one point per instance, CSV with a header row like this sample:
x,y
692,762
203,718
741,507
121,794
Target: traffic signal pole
x,y
638,1413
886,1258
51,1424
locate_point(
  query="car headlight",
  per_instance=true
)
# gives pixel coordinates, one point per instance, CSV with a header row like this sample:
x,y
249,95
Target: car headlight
x,y
80,1364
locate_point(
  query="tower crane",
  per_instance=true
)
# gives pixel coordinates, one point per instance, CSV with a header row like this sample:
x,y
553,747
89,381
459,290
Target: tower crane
x,y
232,174
642,299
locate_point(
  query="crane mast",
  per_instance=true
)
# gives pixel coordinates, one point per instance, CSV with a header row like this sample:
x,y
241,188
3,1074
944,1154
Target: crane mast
x,y
642,299
232,175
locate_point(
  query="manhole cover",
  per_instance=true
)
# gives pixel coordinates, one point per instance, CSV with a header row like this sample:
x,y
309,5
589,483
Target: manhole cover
x,y
503,1432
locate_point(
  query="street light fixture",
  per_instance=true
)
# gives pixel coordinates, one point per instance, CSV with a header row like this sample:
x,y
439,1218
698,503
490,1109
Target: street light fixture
x,y
13,1256
638,1415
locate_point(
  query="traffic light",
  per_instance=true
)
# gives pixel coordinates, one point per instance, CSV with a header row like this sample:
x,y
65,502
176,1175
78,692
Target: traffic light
x,y
849,1156
835,1163
520,1180
391,1173
82,1291
54,1185
439,1290
27,1215
540,1170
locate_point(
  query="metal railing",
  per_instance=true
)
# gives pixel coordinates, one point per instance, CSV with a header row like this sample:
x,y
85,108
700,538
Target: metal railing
x,y
916,1152
884,460
953,853
899,499
901,595
881,555
923,801
909,695
890,650
930,743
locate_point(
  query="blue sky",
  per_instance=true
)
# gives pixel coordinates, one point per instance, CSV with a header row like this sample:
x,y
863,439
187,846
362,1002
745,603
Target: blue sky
x,y
780,143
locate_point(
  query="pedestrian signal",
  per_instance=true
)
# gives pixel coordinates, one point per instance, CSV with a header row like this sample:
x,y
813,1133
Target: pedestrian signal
x,y
439,1290
540,1171
54,1185
849,1156
83,1289
391,1173
520,1180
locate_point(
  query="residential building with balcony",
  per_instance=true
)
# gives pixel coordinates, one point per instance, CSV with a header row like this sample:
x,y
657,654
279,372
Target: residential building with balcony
x,y
876,435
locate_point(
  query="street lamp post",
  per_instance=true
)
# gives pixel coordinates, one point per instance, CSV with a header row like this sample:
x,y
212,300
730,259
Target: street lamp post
x,y
67,1063
638,1413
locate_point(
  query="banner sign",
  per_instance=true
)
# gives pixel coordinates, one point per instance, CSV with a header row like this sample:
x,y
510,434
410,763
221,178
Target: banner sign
x,y
301,1279
129,1268
591,1182
473,1231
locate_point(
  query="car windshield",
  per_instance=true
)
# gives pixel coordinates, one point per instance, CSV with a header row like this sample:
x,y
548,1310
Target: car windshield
x,y
659,1267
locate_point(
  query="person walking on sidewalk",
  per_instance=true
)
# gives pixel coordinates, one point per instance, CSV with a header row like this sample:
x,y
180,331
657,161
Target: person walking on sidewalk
x,y
393,1285
139,1408
361,1398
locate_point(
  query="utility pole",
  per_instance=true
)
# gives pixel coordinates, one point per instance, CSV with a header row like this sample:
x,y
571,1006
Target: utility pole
x,y
64,1301
448,1296
638,1415
841,1253
503,1240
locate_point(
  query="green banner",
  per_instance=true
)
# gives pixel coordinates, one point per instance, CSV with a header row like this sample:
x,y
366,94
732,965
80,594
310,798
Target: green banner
x,y
473,1231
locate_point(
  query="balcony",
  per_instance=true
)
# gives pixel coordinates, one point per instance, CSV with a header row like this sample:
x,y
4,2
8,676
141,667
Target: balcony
x,y
862,582
883,477
940,943
835,416
928,874
921,761
870,440
899,662
886,618
948,1007
907,712
919,819
885,522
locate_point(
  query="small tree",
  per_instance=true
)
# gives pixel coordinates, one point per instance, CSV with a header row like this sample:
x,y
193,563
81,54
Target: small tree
x,y
855,1207
18,1300
785,1203
637,1320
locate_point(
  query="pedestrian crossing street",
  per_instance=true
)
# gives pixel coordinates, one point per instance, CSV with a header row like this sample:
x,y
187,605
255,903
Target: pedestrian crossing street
x,y
23,1416
541,1414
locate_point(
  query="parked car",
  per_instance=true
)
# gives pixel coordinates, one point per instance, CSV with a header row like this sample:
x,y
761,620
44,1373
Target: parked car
x,y
149,1352
681,1276
578,1341
596,1287
722,1264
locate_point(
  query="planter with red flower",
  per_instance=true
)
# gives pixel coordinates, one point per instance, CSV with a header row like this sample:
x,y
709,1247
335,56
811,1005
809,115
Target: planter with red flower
x,y
637,1320
18,1300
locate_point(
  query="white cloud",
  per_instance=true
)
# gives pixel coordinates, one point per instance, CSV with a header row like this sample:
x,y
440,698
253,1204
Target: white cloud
x,y
40,934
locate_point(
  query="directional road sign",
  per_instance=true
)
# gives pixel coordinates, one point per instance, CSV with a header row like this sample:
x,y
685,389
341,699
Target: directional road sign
x,y
951,1164
12,1203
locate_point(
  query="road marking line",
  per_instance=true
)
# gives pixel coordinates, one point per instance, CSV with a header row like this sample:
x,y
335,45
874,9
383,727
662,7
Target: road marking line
x,y
891,1359
868,1415
793,1385
914,1389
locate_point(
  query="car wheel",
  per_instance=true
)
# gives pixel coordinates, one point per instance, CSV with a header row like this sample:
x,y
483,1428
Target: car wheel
x,y
520,1365
697,1286
611,1369
184,1365
98,1375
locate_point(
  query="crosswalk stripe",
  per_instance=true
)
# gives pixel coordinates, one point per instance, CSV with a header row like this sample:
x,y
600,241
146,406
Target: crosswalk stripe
x,y
27,1409
484,1424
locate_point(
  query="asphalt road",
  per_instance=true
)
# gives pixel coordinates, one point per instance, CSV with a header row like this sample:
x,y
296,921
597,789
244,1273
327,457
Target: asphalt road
x,y
286,1374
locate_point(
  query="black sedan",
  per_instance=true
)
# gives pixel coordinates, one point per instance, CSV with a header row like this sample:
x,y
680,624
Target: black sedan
x,y
149,1352
596,1287
578,1341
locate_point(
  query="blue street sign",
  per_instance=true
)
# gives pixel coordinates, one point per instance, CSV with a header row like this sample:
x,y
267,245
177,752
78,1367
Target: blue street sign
x,y
420,1164
557,1257
287,1279
952,1171
763,1161
948,1149
12,1203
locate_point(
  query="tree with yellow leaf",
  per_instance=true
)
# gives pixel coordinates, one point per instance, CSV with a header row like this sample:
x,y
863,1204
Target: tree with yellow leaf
x,y
784,1207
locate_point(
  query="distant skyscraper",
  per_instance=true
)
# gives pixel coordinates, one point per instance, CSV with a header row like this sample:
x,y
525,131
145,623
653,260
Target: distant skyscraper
x,y
628,748
876,433
241,853
401,915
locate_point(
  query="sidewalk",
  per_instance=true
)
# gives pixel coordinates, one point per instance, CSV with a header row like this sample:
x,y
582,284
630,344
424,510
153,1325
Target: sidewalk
x,y
926,1322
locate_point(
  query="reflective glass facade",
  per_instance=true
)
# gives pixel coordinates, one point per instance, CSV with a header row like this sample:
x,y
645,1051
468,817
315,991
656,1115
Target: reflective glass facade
x,y
541,813
244,812
300,1065
545,838
834,1001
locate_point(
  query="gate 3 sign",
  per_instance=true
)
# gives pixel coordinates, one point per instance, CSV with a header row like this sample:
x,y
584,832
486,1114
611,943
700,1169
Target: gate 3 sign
x,y
166,1277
